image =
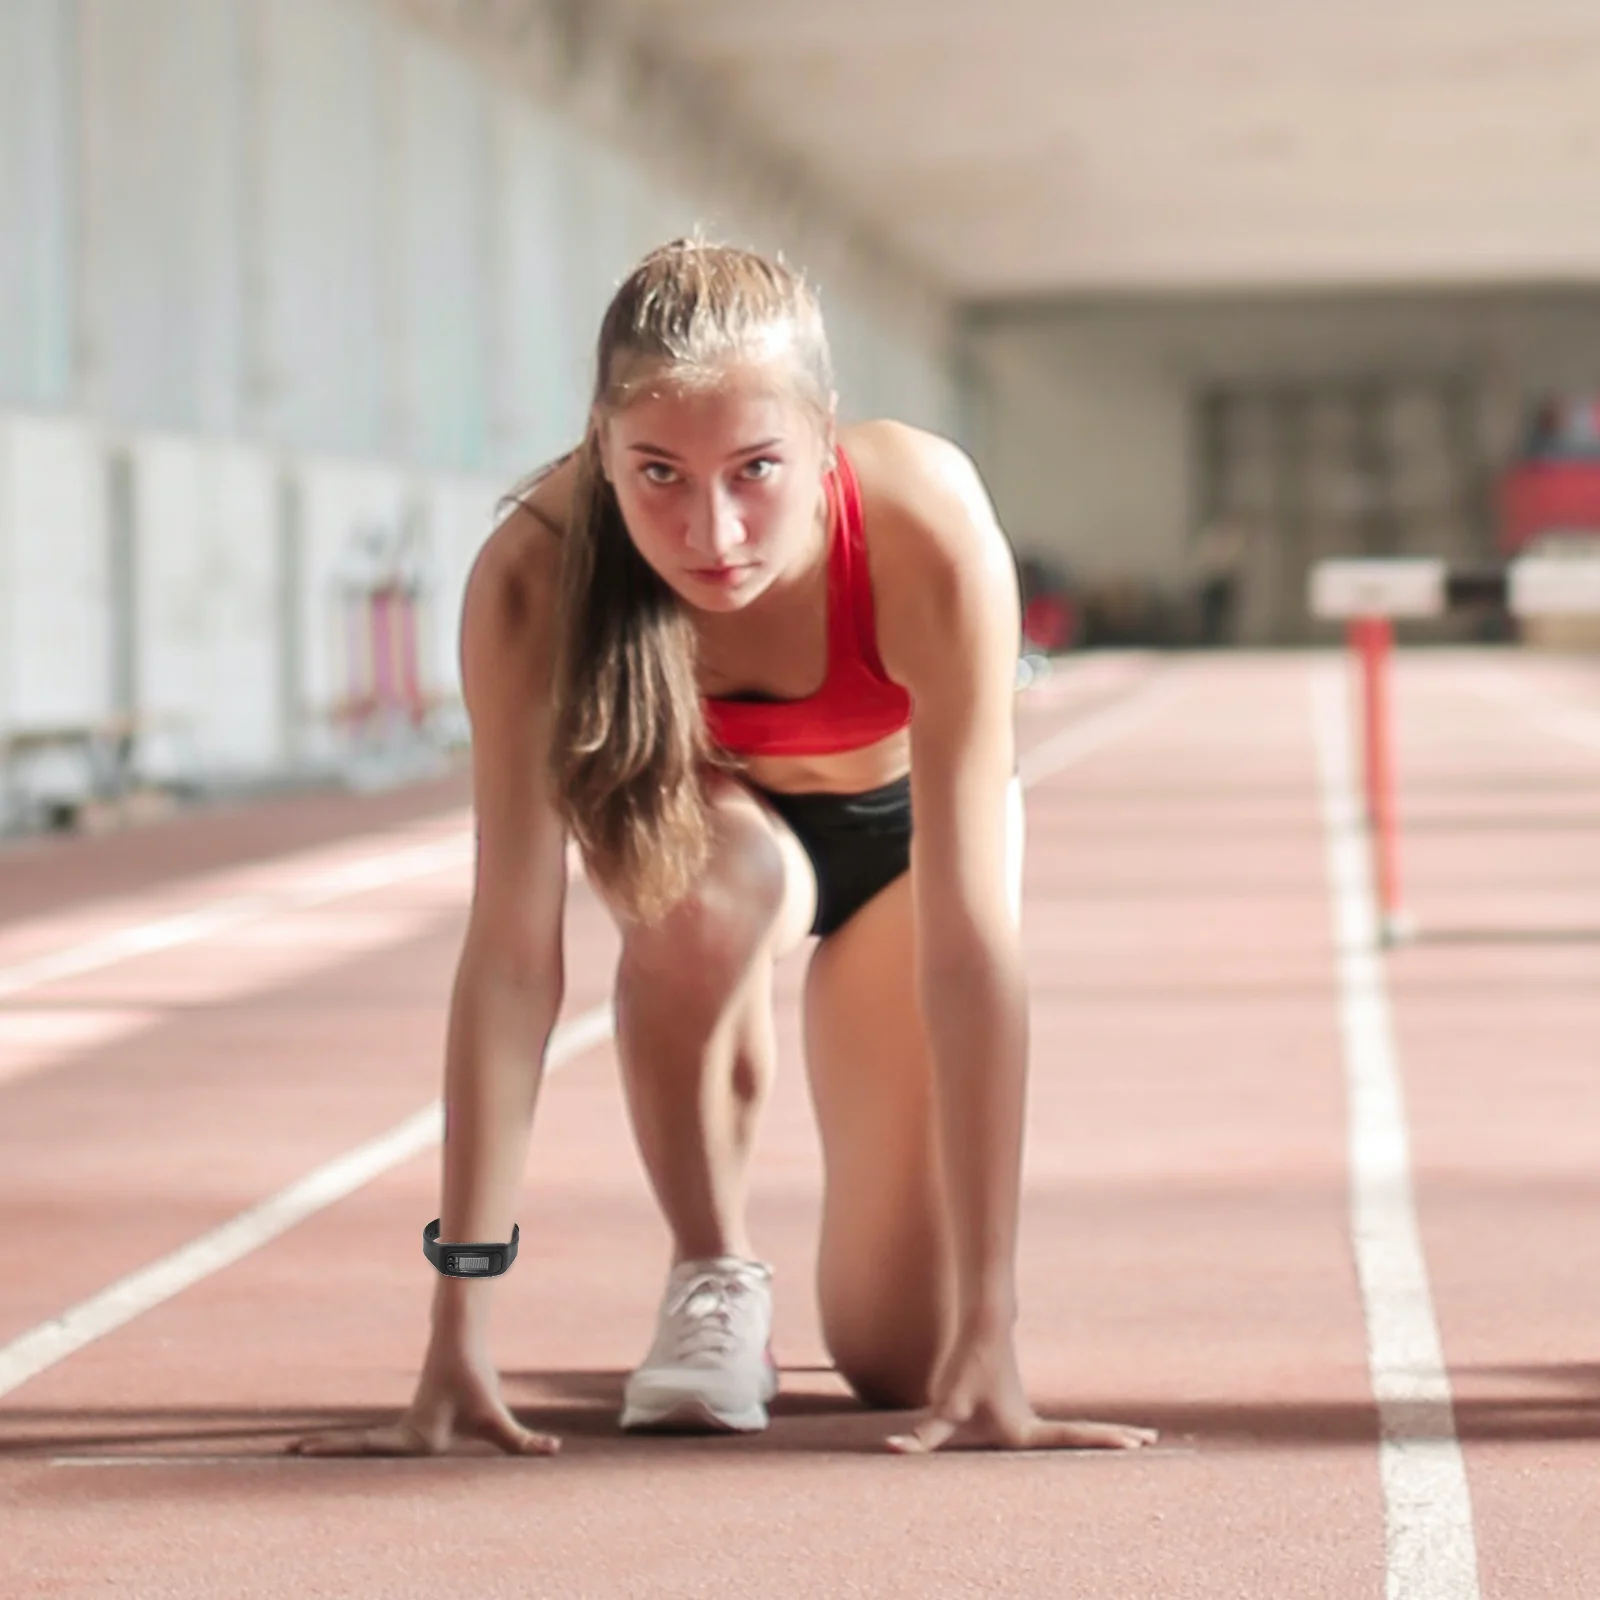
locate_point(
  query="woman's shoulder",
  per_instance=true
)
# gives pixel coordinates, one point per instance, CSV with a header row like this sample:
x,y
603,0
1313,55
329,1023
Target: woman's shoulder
x,y
894,460
545,495
511,590
924,504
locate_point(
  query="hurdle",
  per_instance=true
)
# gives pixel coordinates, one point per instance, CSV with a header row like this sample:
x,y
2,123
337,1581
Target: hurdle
x,y
1369,595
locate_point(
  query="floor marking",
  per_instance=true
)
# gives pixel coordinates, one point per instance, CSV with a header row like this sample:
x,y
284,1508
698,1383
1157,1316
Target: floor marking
x,y
1431,1548
50,1342
218,1460
283,1457
297,1463
1093,732
43,1346
32,1041
1563,722
190,927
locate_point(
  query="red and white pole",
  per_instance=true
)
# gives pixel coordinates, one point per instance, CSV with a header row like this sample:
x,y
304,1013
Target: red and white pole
x,y
1372,639
1367,594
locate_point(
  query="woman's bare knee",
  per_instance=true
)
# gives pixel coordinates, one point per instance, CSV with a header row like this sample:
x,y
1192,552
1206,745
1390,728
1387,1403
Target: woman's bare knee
x,y
885,1332
725,921
886,1379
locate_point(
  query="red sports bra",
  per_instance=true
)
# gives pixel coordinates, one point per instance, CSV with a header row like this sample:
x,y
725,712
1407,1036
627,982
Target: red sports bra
x,y
858,703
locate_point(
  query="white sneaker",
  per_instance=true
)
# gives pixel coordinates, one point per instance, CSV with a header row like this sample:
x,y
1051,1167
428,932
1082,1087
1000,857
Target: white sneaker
x,y
711,1365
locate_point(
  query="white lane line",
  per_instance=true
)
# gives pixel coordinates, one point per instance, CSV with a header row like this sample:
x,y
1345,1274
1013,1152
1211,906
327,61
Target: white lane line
x,y
42,1347
1431,1549
279,1458
131,1460
191,927
1087,734
1562,722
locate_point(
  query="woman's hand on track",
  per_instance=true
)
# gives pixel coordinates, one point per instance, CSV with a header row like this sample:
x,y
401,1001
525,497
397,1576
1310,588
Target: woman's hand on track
x,y
457,1398
978,1399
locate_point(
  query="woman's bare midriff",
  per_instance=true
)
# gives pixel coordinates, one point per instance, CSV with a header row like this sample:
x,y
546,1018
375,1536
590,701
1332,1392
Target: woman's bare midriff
x,y
840,772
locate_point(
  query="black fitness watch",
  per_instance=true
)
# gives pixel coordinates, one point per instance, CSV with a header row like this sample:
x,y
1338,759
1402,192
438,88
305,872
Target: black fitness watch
x,y
468,1260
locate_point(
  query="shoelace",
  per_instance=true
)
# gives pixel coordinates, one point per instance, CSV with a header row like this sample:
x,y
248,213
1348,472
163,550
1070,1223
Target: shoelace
x,y
702,1314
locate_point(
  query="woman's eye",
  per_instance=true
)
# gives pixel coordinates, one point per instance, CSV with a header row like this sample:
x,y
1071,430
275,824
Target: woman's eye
x,y
658,472
761,467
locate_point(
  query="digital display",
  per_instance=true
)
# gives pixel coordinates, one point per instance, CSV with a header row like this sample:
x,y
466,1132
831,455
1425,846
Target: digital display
x,y
471,1263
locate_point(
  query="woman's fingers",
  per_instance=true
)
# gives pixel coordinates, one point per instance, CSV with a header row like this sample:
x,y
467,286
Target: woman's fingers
x,y
502,1429
1087,1436
930,1435
397,1439
402,1439
1035,1434
925,1438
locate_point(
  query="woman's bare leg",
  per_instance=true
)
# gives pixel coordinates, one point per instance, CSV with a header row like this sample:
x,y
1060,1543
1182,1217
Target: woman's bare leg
x,y
695,1028
695,1037
885,1278
885,1270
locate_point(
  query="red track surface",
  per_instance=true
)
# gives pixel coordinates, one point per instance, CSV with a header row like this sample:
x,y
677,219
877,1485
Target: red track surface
x,y
1187,1256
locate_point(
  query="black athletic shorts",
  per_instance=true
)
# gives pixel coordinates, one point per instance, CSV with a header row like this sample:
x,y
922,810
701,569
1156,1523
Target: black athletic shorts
x,y
858,844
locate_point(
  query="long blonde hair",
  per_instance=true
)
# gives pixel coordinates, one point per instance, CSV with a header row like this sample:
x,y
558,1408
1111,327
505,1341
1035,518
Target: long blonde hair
x,y
631,752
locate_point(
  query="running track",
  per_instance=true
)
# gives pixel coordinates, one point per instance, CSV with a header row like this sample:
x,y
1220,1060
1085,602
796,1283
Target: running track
x,y
1330,1219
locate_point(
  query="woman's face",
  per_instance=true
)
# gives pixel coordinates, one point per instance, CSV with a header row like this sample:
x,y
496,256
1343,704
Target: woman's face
x,y
720,485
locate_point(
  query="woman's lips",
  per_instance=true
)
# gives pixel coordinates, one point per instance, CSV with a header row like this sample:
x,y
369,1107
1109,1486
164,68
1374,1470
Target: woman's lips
x,y
720,575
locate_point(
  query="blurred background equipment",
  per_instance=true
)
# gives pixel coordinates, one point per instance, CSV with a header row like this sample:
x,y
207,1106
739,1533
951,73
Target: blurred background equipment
x,y
1550,504
1540,587
1551,488
1050,620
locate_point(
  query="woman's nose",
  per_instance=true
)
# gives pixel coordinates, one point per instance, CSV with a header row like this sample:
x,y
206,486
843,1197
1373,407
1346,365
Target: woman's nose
x,y
716,528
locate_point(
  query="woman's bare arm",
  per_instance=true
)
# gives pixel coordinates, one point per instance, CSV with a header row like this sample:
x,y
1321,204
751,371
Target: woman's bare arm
x,y
509,980
506,996
949,630
950,633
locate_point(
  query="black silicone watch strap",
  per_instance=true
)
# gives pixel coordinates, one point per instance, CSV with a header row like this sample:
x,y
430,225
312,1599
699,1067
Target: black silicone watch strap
x,y
468,1260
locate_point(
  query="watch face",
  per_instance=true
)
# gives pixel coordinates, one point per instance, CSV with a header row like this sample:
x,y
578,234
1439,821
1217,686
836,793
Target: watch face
x,y
470,1263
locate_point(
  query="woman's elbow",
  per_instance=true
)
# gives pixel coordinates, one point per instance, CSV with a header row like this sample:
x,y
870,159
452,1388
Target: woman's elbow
x,y
512,954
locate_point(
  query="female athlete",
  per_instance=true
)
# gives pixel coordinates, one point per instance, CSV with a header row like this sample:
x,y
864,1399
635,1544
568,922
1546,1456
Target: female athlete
x,y
732,649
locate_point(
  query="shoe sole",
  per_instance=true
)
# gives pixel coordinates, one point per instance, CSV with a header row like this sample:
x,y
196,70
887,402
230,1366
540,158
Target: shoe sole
x,y
673,1411
690,1414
